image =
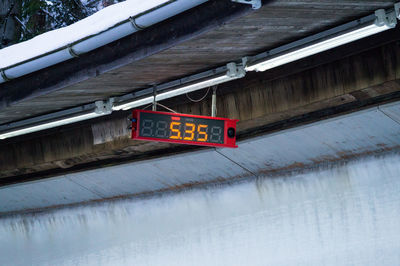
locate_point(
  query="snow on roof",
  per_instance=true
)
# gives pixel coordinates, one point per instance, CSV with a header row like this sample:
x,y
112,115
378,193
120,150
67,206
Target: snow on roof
x,y
53,40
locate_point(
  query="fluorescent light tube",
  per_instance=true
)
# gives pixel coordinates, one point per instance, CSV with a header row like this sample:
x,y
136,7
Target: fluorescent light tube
x,y
25,127
133,104
381,23
48,125
193,87
230,72
316,48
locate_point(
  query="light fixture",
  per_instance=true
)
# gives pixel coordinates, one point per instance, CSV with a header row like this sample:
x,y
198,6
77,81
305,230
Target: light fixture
x,y
133,104
323,41
230,72
56,119
178,87
317,43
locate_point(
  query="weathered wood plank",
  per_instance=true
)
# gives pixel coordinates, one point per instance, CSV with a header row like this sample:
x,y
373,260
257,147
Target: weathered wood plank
x,y
275,24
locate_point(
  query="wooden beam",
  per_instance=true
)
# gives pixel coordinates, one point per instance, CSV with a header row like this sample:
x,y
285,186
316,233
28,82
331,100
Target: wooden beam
x,y
261,104
137,46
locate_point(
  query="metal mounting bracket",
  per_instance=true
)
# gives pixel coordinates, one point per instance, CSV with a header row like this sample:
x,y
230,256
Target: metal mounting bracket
x,y
72,52
255,4
214,102
154,107
3,75
397,10
134,24
235,70
104,107
383,19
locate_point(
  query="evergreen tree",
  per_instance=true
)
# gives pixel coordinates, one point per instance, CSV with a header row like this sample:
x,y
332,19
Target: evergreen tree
x,y
9,29
21,20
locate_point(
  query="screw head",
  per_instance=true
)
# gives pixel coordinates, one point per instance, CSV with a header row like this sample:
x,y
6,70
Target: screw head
x,y
231,132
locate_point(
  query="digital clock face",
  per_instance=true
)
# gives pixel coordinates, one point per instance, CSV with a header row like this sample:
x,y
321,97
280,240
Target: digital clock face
x,y
181,128
184,129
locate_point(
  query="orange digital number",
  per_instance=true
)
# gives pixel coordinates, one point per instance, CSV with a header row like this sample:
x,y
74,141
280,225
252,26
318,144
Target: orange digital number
x,y
191,131
175,130
202,130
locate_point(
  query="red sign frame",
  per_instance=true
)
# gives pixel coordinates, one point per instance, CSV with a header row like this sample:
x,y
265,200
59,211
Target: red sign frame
x,y
230,142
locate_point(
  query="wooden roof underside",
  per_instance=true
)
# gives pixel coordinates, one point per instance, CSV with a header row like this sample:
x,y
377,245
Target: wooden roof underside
x,y
276,23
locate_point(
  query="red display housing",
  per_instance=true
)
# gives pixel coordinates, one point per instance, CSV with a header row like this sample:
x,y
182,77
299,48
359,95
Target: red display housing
x,y
229,124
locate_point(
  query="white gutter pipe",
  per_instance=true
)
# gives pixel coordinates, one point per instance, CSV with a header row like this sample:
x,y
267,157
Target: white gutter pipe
x,y
118,31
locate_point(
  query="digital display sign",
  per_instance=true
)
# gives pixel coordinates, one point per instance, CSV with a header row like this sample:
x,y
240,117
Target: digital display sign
x,y
184,128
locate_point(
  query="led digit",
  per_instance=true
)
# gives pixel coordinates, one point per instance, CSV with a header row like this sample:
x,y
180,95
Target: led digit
x,y
202,132
161,129
216,134
190,132
174,130
147,128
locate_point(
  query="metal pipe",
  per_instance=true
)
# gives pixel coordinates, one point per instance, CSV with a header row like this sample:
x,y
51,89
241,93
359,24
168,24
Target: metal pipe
x,y
127,50
214,102
90,43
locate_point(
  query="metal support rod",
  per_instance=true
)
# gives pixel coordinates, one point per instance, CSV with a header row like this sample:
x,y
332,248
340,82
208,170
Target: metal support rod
x,y
214,102
154,98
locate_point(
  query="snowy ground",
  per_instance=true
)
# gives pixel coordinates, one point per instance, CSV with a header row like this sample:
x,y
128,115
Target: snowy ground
x,y
342,215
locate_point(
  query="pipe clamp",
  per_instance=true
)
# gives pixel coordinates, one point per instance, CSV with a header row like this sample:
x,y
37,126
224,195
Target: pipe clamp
x,y
134,24
3,75
72,52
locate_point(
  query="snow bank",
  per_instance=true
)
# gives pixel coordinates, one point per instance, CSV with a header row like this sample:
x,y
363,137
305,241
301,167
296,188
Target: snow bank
x,y
341,215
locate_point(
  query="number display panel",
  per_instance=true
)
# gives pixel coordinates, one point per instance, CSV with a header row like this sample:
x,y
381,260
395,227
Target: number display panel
x,y
184,128
181,128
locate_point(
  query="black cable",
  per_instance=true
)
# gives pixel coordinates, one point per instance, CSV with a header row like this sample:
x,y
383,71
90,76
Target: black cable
x,y
199,100
169,109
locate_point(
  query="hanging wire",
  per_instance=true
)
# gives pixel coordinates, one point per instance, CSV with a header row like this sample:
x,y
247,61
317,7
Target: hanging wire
x,y
199,100
163,106
169,109
147,106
